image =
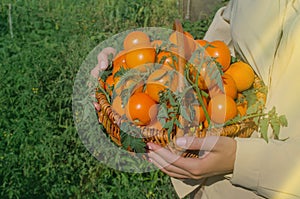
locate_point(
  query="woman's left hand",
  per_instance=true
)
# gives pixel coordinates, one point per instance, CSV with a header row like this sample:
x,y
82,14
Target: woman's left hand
x,y
218,157
102,61
101,66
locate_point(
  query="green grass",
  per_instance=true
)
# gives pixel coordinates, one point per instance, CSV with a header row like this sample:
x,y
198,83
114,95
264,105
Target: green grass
x,y
42,45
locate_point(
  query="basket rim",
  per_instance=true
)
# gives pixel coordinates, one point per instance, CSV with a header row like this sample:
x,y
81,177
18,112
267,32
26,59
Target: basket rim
x,y
111,120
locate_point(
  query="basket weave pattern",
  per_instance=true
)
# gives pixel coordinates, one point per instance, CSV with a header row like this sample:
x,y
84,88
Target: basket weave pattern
x,y
107,117
111,120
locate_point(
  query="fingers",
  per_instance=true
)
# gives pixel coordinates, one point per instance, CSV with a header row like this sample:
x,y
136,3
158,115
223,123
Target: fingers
x,y
95,71
175,165
103,57
102,61
96,106
160,153
102,65
164,160
218,159
170,170
194,143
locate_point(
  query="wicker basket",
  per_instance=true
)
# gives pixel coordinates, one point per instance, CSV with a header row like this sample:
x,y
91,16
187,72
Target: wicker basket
x,y
107,118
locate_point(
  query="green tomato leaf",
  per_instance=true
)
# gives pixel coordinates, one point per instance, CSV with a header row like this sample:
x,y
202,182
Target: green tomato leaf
x,y
263,126
250,96
172,100
184,113
272,112
135,143
169,125
252,109
283,120
163,112
275,125
177,123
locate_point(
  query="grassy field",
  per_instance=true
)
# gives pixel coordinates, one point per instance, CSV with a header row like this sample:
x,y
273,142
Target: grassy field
x,y
42,45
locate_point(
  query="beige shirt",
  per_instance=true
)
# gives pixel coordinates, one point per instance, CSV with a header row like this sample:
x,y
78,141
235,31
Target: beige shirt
x,y
266,34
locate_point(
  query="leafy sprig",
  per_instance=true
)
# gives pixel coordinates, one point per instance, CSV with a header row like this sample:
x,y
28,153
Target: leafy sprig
x,y
274,121
265,120
169,110
131,138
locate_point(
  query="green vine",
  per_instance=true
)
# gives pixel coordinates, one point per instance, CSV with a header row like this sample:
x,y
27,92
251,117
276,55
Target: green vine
x,y
172,104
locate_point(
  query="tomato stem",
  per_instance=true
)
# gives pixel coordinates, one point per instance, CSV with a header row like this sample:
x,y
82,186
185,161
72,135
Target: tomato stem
x,y
199,95
105,93
260,114
199,92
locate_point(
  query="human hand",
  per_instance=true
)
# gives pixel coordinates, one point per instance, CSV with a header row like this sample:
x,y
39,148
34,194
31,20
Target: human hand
x,y
218,157
101,66
102,60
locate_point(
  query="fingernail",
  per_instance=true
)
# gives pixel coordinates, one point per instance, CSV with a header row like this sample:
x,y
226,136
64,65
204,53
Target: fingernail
x,y
181,141
148,146
97,106
103,65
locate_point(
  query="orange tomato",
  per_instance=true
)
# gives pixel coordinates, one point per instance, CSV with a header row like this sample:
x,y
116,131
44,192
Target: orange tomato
x,y
101,82
220,51
193,107
170,58
229,87
140,56
196,114
156,43
132,84
119,61
136,38
201,42
242,104
242,74
117,106
141,109
242,108
188,42
221,108
109,83
205,78
199,112
160,80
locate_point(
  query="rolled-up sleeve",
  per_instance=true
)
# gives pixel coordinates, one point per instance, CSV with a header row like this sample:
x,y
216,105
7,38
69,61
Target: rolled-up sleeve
x,y
219,29
273,169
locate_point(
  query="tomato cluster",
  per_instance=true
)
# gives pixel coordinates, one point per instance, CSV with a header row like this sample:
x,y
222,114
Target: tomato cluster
x,y
179,63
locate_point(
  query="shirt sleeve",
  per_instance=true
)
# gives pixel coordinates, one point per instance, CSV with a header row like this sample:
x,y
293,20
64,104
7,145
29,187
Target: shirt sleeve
x,y
270,169
273,169
219,29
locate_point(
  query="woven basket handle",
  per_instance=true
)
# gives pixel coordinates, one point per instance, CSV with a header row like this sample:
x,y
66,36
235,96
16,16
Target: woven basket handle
x,y
181,46
177,26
